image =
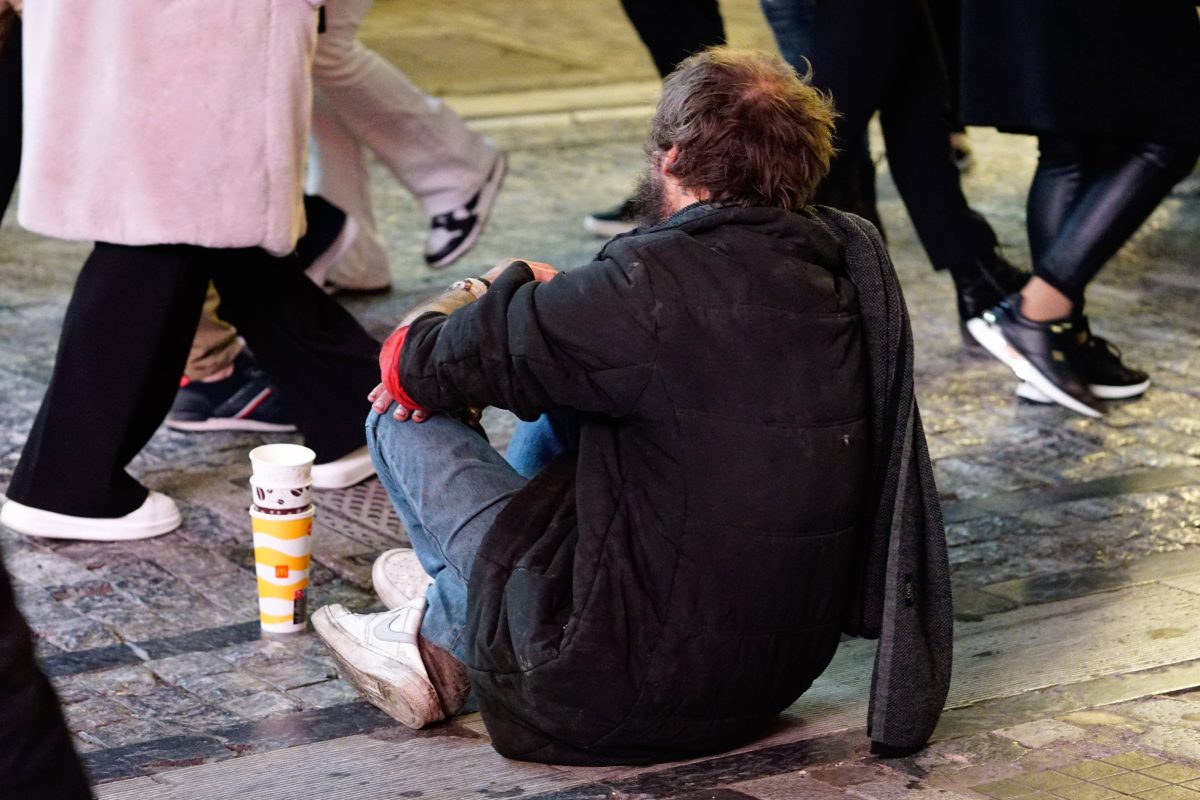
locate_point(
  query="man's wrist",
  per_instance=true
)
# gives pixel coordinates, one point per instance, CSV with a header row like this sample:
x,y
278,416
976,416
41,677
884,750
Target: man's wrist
x,y
476,287
461,293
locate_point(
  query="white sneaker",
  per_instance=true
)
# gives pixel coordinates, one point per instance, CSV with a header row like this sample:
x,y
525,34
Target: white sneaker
x,y
156,516
378,655
344,472
399,578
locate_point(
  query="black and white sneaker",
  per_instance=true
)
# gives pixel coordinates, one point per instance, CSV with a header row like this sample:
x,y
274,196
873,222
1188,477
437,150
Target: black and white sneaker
x,y
616,220
245,401
452,234
1107,375
1044,354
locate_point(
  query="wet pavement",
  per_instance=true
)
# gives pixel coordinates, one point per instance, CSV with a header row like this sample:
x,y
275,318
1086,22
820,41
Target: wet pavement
x,y
1074,542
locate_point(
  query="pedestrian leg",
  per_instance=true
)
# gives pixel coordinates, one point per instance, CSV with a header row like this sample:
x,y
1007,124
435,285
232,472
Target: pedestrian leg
x,y
123,346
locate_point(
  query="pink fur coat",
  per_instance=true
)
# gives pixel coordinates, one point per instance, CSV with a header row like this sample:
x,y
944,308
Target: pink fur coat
x,y
167,121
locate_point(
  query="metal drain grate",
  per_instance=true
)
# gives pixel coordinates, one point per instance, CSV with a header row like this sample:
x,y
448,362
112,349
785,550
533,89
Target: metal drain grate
x,y
363,514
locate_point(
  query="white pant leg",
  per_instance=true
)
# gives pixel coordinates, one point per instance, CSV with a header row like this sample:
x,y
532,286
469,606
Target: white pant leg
x,y
338,172
425,144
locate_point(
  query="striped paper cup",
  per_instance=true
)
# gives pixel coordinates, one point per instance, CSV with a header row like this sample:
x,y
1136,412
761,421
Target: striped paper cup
x,y
282,553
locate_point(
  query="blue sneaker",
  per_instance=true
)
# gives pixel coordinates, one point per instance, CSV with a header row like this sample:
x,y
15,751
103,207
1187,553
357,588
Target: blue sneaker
x,y
245,401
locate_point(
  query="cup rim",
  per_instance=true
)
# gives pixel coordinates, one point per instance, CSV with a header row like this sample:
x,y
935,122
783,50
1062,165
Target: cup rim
x,y
276,455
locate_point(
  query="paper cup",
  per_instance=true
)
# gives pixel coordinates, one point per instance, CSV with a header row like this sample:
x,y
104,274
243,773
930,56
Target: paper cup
x,y
280,499
286,466
282,554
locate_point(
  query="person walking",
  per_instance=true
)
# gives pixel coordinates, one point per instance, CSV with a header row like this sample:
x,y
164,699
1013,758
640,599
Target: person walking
x,y
196,175
1108,88
363,101
883,55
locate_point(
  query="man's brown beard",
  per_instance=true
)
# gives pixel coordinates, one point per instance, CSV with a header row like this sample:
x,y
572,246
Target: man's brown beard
x,y
650,197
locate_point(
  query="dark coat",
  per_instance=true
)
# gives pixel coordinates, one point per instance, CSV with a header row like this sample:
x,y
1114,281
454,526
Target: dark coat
x,y
671,587
1123,70
901,593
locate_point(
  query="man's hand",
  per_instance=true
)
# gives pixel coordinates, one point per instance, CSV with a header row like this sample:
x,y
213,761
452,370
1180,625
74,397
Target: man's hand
x,y
541,272
380,400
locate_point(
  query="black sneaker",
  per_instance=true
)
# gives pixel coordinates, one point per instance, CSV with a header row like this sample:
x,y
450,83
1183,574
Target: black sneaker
x,y
452,234
619,219
245,401
1045,354
1108,377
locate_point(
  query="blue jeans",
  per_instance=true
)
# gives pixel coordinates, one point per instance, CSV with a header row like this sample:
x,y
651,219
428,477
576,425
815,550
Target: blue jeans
x,y
448,484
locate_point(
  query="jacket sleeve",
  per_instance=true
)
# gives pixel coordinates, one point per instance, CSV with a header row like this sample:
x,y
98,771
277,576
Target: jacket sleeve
x,y
584,340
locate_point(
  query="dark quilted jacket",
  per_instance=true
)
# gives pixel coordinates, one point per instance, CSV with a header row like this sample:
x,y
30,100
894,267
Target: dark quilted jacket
x,y
671,587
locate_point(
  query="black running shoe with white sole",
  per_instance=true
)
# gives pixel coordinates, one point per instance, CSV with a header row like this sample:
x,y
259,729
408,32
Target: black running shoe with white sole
x,y
1107,375
245,401
1043,354
455,232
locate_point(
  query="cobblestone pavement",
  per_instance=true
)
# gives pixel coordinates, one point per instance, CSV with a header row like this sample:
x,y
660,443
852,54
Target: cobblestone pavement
x,y
1073,541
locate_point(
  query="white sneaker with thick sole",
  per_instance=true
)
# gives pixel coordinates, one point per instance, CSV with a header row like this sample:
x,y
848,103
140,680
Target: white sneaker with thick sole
x,y
344,472
399,578
378,655
156,516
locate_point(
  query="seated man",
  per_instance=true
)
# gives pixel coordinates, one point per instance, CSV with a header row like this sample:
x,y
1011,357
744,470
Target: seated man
x,y
678,542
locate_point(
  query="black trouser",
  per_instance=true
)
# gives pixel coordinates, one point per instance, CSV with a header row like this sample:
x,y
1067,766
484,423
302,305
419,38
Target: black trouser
x,y
37,761
882,55
123,346
674,29
10,115
1088,197
947,26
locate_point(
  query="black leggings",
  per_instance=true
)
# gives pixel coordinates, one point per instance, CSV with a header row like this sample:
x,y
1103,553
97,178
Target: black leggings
x,y
124,341
1089,197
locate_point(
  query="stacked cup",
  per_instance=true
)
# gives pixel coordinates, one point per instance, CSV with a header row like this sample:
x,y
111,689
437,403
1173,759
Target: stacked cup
x,y
282,517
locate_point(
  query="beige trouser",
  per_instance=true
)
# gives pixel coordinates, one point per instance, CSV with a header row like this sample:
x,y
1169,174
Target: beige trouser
x,y
216,344
362,101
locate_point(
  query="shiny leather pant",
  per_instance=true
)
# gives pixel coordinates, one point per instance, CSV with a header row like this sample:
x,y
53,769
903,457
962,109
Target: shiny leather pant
x,y
1089,197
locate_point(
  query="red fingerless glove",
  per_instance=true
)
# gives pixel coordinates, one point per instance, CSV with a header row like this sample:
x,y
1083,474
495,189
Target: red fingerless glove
x,y
389,369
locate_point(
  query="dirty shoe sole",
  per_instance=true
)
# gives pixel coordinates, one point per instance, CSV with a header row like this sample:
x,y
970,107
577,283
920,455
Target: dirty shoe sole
x,y
994,342
391,687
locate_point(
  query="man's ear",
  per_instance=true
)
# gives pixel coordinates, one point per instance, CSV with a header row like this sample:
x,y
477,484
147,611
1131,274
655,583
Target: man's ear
x,y
668,160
